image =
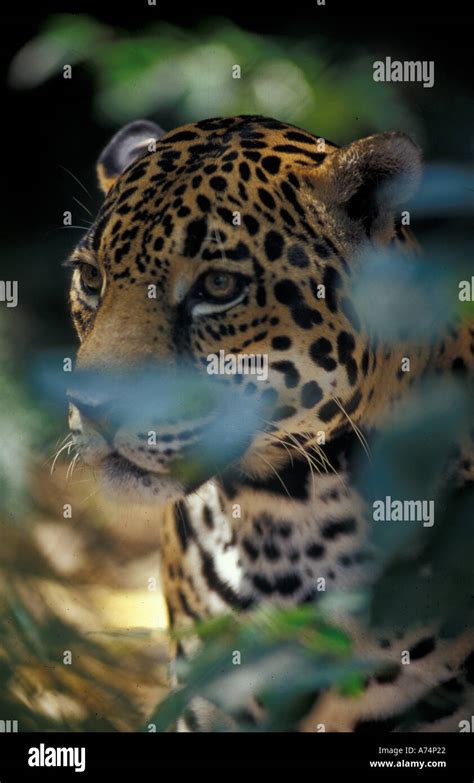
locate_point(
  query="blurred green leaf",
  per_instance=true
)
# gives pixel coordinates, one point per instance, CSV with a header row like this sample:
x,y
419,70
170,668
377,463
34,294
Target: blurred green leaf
x,y
284,656
164,70
66,39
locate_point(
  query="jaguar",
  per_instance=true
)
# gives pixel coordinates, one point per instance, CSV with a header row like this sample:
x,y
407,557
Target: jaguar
x,y
250,232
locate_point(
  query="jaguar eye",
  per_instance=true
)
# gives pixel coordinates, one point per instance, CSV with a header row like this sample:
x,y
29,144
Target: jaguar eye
x,y
216,291
221,286
91,279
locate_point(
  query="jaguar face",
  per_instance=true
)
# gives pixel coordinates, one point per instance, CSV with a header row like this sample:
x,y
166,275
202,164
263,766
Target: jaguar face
x,y
228,238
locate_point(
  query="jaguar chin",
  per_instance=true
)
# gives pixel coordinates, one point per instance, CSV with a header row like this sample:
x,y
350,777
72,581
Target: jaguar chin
x,y
122,480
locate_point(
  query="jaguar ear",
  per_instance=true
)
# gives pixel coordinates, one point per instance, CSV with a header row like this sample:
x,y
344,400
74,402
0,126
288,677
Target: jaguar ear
x,y
370,177
130,143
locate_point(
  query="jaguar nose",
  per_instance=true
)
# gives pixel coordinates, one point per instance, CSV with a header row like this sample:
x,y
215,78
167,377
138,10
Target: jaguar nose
x,y
98,416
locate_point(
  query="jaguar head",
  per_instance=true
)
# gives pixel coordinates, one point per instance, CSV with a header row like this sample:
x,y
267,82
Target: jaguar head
x,y
219,240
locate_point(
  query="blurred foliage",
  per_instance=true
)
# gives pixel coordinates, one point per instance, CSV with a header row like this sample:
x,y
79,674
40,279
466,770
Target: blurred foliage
x,y
166,70
426,573
146,396
65,585
60,592
97,692
26,426
415,297
285,657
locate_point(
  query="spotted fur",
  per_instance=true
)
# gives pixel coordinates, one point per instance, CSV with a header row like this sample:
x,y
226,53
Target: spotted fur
x,y
305,207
